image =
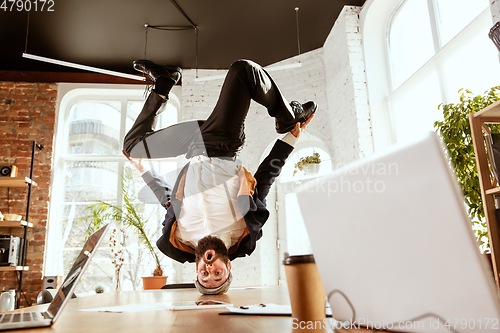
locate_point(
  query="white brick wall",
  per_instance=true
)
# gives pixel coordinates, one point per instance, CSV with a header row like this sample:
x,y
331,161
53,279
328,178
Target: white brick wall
x,y
346,89
495,10
334,77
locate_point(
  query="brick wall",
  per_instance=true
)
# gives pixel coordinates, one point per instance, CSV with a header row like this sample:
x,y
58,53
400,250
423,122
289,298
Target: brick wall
x,y
27,114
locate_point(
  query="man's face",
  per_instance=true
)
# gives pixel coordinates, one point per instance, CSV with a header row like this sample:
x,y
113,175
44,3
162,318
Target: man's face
x,y
212,262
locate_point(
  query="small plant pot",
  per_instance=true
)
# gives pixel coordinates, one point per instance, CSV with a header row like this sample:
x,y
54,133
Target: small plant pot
x,y
153,282
311,169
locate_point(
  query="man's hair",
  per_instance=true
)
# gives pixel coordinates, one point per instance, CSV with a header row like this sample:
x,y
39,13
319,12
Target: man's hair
x,y
211,243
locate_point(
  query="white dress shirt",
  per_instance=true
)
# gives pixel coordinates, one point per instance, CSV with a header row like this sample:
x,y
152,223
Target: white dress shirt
x,y
210,205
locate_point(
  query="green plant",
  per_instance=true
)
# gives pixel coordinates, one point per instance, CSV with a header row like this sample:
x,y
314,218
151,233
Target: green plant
x,y
305,162
130,215
456,133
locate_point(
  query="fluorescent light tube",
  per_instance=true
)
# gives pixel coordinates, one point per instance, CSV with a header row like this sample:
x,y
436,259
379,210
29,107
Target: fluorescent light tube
x,y
85,68
269,69
209,78
280,67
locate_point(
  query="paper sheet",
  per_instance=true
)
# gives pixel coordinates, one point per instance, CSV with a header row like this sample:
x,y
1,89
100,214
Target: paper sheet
x,y
143,307
139,307
267,310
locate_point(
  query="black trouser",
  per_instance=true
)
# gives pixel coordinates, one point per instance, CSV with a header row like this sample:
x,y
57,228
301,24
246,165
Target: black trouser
x,y
222,134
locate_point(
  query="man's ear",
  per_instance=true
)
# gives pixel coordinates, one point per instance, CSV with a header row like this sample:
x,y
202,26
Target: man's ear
x,y
229,264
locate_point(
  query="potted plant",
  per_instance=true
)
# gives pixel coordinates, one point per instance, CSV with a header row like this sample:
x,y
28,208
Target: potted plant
x,y
129,215
456,133
309,165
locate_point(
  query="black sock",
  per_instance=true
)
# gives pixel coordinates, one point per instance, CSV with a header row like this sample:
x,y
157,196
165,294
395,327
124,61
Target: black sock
x,y
163,86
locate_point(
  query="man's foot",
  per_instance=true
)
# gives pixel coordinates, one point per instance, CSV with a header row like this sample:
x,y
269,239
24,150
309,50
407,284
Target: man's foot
x,y
155,71
302,112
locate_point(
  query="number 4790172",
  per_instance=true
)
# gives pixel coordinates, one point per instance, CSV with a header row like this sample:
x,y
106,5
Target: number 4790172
x,y
27,5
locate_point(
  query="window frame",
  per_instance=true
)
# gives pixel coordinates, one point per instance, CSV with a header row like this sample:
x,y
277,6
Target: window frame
x,y
68,95
375,23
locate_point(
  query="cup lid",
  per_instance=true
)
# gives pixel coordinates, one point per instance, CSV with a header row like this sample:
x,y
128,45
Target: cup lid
x,y
300,259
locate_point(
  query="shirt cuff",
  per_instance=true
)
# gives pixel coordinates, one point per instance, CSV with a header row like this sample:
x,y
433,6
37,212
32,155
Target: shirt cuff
x,y
290,139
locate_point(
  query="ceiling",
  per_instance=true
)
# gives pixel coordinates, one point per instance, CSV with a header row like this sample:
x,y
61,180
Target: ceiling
x,y
110,34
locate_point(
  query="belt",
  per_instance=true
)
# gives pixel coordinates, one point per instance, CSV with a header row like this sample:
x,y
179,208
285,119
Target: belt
x,y
195,151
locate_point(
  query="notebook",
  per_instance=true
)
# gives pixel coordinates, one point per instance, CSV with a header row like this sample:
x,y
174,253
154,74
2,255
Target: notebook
x,y
19,320
394,245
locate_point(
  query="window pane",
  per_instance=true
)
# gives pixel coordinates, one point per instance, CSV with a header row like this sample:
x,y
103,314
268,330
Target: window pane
x,y
475,66
90,180
99,272
297,238
410,40
415,113
454,15
94,128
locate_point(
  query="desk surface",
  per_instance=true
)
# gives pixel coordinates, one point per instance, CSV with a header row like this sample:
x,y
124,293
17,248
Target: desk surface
x,y
206,321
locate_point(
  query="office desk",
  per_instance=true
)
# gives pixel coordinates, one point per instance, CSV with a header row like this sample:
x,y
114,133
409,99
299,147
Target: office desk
x,y
188,321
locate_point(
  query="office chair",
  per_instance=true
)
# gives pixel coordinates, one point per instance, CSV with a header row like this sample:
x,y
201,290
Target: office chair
x,y
178,286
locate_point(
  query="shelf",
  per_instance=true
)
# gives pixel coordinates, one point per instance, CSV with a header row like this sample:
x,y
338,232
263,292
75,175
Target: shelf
x,y
491,111
13,268
14,224
16,182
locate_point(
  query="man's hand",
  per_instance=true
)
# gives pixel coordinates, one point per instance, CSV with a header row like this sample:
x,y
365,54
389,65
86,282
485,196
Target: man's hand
x,y
136,163
300,127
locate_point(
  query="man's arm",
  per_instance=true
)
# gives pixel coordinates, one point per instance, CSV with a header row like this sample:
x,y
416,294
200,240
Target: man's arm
x,y
161,189
271,167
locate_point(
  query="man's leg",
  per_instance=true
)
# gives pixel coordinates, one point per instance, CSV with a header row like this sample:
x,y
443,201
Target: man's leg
x,y
142,141
245,81
144,124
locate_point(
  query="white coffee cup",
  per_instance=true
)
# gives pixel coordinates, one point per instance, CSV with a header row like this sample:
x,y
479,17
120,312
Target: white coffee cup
x,y
7,300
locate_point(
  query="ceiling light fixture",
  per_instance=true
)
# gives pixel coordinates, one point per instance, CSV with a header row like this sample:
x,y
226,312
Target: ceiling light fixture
x,y
269,69
175,28
83,67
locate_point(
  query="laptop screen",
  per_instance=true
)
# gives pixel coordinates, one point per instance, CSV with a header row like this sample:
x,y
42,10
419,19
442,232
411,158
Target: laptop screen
x,y
75,273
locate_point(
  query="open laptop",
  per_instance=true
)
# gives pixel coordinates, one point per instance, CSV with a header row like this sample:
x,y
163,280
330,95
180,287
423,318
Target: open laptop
x,y
394,245
18,320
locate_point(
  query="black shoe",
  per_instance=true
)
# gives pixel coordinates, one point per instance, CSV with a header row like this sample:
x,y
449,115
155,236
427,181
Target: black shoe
x,y
302,112
155,71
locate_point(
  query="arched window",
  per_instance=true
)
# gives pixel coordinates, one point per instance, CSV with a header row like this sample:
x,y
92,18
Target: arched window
x,y
92,123
292,232
432,48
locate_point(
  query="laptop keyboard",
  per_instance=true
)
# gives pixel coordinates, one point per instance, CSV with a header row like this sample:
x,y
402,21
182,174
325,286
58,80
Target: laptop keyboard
x,y
20,317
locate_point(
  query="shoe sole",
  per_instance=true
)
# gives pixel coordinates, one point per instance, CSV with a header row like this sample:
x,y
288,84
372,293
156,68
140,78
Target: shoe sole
x,y
171,68
289,128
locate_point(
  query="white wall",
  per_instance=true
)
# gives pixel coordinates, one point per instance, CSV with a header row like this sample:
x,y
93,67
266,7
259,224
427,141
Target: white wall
x,y
495,10
346,89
